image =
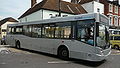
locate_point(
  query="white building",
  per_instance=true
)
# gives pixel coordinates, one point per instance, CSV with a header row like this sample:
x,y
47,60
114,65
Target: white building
x,y
49,9
91,6
4,23
95,7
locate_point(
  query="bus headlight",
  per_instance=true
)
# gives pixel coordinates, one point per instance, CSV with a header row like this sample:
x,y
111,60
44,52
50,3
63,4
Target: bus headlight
x,y
101,52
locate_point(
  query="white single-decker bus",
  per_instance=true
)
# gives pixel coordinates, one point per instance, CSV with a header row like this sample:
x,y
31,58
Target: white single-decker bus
x,y
83,36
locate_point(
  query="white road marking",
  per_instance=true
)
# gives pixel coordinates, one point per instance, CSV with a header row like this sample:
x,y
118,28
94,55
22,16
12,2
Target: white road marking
x,y
3,63
58,62
115,54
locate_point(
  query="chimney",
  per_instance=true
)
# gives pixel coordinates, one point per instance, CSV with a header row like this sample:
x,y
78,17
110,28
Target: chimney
x,y
97,0
33,2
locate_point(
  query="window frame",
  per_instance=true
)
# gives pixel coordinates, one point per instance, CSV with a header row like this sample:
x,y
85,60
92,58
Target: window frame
x,y
110,7
85,28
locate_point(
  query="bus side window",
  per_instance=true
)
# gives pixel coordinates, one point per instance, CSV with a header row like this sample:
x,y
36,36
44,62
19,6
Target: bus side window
x,y
81,34
27,30
63,30
117,38
19,30
111,37
36,31
13,30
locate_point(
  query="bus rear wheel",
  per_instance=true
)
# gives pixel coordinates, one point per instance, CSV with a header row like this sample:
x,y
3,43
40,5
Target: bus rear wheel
x,y
17,44
63,53
116,47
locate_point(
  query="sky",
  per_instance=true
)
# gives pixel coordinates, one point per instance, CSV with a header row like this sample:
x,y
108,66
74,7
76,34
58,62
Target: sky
x,y
15,8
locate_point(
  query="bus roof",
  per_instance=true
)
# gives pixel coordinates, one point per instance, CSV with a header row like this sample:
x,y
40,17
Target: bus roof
x,y
63,19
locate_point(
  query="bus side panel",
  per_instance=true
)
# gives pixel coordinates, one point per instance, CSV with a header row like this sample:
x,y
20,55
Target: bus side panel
x,y
49,45
84,51
80,50
115,42
76,48
38,44
28,42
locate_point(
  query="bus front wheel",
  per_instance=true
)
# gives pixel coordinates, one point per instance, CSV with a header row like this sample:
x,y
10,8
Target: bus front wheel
x,y
116,47
17,44
63,53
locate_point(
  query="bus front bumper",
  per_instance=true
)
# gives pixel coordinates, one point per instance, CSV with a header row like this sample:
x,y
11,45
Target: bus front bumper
x,y
91,56
99,57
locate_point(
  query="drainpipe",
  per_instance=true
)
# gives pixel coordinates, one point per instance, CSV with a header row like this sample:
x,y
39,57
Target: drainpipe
x,y
59,3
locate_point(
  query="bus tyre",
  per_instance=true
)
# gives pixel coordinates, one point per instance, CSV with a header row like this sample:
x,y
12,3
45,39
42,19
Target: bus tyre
x,y
1,43
17,44
63,53
116,47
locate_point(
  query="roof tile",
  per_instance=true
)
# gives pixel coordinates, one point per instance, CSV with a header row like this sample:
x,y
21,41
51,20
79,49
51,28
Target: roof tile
x,y
54,6
9,19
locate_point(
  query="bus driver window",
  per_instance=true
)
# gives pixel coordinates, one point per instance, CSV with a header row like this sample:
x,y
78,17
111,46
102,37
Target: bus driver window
x,y
86,35
90,36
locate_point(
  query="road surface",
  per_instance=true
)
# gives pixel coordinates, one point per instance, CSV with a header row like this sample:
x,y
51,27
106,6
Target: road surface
x,y
21,58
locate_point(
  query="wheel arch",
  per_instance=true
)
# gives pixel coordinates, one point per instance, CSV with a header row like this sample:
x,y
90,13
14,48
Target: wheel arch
x,y
116,45
17,41
63,46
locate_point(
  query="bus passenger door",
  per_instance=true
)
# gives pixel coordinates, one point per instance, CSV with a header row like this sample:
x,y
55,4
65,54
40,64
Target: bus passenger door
x,y
10,36
10,39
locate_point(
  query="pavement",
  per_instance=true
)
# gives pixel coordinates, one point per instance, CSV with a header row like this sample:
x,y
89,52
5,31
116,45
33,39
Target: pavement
x,y
115,52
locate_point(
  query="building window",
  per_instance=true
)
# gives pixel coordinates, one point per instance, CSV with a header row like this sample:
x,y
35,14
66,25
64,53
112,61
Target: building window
x,y
110,22
4,30
115,21
20,20
64,15
116,9
119,22
110,7
25,19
